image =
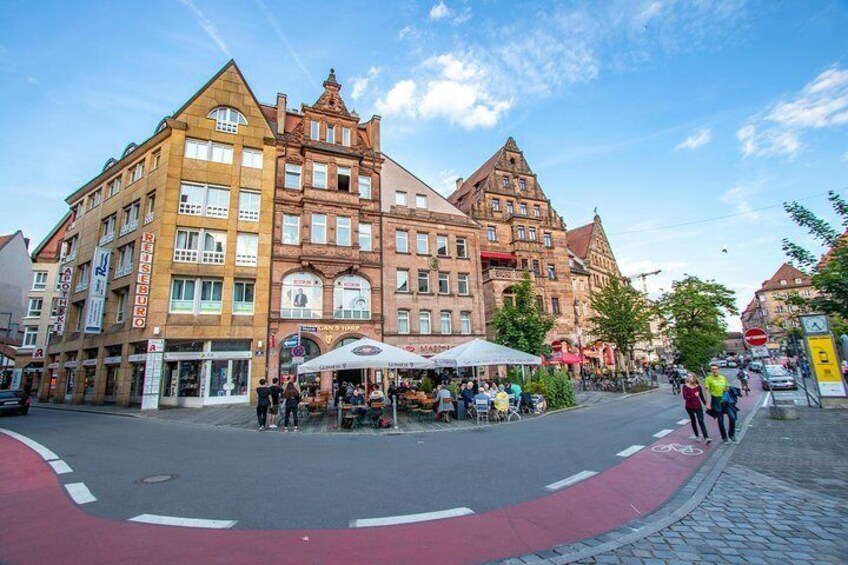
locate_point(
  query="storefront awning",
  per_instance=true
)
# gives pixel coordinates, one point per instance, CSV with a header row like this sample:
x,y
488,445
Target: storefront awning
x,y
497,255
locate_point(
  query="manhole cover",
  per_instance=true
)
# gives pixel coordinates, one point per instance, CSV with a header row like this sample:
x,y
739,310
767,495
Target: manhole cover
x,y
155,479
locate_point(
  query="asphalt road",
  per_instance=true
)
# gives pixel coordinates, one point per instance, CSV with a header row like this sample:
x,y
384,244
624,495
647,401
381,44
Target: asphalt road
x,y
275,480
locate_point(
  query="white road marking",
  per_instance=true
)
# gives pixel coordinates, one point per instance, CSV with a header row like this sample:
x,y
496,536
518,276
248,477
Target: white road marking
x,y
630,450
184,522
662,433
683,422
80,493
60,467
45,453
573,479
766,399
410,518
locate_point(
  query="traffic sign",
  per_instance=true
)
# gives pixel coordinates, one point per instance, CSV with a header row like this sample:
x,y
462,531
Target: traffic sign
x,y
556,345
310,329
756,337
298,351
290,342
297,360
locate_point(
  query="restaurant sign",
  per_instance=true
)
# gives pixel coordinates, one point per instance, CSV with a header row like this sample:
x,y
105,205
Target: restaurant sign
x,y
428,348
142,281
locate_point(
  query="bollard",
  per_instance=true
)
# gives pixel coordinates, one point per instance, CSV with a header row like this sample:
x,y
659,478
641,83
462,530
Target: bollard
x,y
394,411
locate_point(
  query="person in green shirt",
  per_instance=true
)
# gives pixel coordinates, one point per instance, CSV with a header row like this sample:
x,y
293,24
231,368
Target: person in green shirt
x,y
716,385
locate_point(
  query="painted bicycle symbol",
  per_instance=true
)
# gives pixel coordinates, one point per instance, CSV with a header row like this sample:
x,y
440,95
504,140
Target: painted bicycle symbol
x,y
677,448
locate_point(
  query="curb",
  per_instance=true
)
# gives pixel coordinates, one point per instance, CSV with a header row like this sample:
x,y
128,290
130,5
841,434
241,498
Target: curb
x,y
86,411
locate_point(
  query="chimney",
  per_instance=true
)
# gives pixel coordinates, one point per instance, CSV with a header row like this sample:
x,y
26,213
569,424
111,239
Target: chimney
x,y
281,113
373,129
459,181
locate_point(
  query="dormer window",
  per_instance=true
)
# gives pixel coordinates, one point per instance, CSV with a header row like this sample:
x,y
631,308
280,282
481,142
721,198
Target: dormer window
x,y
522,184
346,137
227,120
315,131
797,281
783,282
505,181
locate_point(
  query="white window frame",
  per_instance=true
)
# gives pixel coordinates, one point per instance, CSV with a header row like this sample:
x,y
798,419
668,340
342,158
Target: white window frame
x,y
400,198
251,158
227,119
461,243
121,306
346,137
421,201
465,323
403,322
137,172
293,170
322,169
30,338
315,130
425,237
443,277
200,254
446,246
114,186
365,237
419,279
35,307
203,206
424,317
243,307
247,249
531,233
344,235
462,280
39,280
344,172
537,210
364,183
402,236
312,231
449,319
548,239
522,209
331,134
496,205
401,279
247,211
208,150
491,233
291,229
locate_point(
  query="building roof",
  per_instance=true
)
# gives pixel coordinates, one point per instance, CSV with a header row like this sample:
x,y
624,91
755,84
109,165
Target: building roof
x,y
579,239
479,175
4,239
56,233
787,273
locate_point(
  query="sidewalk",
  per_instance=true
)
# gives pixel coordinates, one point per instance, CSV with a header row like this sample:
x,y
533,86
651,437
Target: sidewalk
x,y
780,499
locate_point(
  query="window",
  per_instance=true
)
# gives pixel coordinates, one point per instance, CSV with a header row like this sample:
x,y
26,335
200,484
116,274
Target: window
x,y
510,207
315,130
34,307
806,293
291,230
365,237
548,240
552,272
496,205
150,207
465,323
424,322
400,198
155,159
319,228
346,137
343,231
532,233
402,241
137,172
227,120
204,150
114,186
461,248
30,337
302,296
783,282
292,176
83,275
442,245
249,206
39,280
365,187
421,201
331,134
352,298
79,309
446,323
424,281
402,279
522,184
797,281
319,175
203,200
247,249
505,181
555,306
121,306
95,199
125,260
422,244
251,158
403,321
343,179
107,229
536,266
462,284
521,234
243,297
491,235
523,209
444,283
536,210
187,246
130,219
540,304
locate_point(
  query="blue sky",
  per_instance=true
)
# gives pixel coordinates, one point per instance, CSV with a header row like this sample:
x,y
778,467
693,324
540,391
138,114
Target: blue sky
x,y
658,113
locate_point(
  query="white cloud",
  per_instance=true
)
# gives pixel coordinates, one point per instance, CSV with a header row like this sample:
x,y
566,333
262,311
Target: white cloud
x,y
845,156
822,103
207,26
697,139
439,11
655,283
738,197
400,100
359,84
405,30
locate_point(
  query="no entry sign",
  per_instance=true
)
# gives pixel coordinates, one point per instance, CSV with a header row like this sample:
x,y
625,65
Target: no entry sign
x,y
756,337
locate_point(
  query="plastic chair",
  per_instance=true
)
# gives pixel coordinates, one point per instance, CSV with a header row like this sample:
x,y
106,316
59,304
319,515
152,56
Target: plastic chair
x,y
482,408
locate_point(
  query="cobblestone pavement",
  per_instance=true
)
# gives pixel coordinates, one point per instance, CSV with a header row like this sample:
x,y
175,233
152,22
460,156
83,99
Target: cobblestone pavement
x,y
783,498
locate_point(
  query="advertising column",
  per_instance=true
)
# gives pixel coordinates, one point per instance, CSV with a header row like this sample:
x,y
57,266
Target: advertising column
x,y
824,362
153,374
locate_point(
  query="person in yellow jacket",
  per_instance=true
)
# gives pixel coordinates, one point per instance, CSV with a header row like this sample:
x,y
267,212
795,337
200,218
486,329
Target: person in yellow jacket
x,y
501,400
716,385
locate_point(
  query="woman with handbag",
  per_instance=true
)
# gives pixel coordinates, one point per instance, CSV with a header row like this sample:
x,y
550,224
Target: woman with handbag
x,y
693,399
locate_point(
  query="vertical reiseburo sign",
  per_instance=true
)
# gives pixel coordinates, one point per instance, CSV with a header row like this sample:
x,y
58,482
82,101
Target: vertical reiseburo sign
x,y
66,275
153,374
142,280
97,290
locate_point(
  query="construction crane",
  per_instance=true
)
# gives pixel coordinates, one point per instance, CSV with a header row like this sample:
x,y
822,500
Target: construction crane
x,y
644,276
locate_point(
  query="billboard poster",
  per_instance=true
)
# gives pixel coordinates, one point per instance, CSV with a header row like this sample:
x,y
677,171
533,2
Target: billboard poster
x,y
66,275
97,290
352,298
302,296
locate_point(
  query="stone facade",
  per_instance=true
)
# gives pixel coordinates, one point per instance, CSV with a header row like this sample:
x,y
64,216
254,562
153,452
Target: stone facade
x,y
770,309
203,186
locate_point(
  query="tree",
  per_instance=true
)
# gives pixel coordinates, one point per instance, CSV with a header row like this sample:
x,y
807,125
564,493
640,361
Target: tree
x,y
829,272
693,311
520,324
622,316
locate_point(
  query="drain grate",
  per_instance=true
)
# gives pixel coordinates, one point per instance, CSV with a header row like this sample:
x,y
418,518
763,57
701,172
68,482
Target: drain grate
x,y
156,479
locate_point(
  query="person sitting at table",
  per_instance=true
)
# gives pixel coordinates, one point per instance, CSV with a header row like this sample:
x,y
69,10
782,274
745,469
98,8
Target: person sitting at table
x,y
358,403
444,402
376,395
502,400
468,395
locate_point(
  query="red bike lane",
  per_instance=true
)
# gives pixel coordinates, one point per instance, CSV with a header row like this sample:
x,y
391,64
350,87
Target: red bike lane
x,y
39,523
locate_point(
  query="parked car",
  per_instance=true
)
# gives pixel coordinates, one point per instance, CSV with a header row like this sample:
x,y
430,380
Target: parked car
x,y
731,364
14,402
777,377
756,366
722,364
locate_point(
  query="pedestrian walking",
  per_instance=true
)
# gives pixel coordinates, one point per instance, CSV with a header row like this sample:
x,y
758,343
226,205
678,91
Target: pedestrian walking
x,y
693,399
263,402
720,404
276,391
742,375
292,400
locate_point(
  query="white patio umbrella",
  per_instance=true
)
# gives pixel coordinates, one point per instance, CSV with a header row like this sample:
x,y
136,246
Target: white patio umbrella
x,y
479,352
365,354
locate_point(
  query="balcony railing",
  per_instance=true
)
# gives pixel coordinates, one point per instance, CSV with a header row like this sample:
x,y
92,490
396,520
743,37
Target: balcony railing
x,y
185,255
249,215
190,209
213,257
246,260
130,227
148,218
217,211
106,238
123,271
70,257
81,286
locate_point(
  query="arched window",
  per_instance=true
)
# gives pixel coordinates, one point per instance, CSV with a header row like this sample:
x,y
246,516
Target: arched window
x,y
508,297
302,296
227,120
352,298
347,341
287,368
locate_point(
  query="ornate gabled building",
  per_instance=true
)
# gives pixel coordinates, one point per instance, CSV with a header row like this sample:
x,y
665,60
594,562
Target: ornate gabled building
x,y
521,233
773,309
326,287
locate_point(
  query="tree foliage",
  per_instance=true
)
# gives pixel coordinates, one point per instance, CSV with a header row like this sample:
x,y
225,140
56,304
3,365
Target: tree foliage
x,y
622,315
693,312
520,324
829,272
555,385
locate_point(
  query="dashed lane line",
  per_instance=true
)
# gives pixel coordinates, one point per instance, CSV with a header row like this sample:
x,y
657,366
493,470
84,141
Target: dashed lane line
x,y
662,433
60,467
45,453
80,493
410,518
573,479
183,522
683,422
630,450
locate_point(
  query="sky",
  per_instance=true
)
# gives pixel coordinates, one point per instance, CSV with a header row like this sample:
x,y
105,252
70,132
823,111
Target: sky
x,y
685,124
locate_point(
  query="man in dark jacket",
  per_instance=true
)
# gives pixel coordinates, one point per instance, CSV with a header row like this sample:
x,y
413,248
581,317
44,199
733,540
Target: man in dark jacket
x,y
276,391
